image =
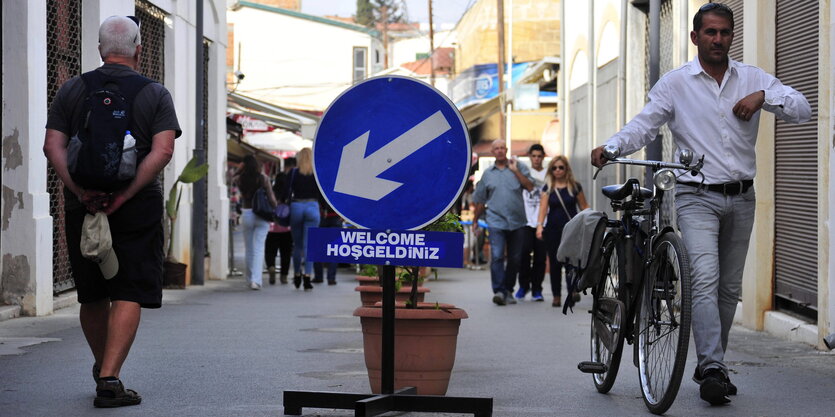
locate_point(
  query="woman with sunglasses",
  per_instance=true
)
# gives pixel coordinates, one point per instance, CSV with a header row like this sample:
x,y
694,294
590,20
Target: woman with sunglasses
x,y
559,202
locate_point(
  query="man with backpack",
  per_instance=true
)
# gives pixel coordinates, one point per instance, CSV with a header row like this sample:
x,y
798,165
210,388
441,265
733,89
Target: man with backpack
x,y
109,134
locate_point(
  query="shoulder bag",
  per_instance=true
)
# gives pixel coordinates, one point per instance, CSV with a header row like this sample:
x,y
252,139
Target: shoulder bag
x,y
282,210
261,205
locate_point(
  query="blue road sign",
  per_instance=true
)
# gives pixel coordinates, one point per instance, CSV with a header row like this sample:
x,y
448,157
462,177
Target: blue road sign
x,y
391,153
386,247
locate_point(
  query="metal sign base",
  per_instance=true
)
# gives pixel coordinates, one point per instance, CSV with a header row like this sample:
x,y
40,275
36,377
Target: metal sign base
x,y
405,399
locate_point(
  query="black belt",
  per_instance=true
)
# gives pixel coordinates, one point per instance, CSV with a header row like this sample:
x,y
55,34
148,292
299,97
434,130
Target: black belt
x,y
731,188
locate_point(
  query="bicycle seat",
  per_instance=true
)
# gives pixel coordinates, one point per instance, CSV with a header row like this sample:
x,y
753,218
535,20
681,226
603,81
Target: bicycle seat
x,y
621,191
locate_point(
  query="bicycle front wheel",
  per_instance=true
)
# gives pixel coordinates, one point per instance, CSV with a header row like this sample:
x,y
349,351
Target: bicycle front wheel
x,y
664,323
608,317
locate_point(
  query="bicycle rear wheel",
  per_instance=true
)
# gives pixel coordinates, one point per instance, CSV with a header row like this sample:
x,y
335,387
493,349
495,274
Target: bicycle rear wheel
x,y
608,317
664,324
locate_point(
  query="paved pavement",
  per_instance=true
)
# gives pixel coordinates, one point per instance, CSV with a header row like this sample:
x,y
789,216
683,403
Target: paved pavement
x,y
225,350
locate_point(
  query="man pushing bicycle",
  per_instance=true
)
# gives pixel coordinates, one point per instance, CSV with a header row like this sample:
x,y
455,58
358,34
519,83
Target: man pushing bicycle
x,y
712,106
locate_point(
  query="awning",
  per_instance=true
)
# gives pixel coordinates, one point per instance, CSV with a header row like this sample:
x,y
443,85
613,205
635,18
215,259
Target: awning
x,y
235,151
278,116
475,114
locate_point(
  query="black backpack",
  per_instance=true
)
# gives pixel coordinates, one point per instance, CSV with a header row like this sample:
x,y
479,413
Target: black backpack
x,y
96,156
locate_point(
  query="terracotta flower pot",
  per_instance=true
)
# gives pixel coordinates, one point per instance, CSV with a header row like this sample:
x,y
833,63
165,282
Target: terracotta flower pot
x,y
425,339
370,294
366,280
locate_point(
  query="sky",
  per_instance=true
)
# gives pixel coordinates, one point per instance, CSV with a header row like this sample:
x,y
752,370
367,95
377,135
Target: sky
x,y
445,11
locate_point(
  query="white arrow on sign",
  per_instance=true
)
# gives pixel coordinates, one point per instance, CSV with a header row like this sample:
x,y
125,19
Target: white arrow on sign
x,y
357,174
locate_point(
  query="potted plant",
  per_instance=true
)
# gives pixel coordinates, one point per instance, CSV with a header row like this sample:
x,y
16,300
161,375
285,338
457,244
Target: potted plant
x,y
426,334
368,275
174,271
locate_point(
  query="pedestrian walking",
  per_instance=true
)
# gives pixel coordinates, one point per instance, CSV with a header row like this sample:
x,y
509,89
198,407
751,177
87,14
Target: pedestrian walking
x,y
328,218
84,114
559,203
712,105
279,238
532,263
499,194
304,214
249,180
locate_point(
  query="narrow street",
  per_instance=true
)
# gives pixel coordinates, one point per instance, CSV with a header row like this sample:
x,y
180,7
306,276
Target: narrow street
x,y
225,350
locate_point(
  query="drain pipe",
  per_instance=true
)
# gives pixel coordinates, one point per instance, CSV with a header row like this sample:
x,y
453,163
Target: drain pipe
x,y
198,209
654,149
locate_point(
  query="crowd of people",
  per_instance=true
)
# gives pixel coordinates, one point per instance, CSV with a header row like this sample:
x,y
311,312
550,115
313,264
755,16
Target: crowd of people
x,y
525,208
269,241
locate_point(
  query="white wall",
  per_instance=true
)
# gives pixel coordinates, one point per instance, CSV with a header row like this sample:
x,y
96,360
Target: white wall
x,y
405,49
829,326
296,62
25,223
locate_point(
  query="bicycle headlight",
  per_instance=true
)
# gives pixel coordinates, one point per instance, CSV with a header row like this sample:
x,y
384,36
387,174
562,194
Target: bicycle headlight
x,y
664,179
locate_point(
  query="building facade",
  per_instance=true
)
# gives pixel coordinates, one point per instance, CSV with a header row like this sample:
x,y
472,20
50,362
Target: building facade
x,y
607,57
299,61
46,42
528,105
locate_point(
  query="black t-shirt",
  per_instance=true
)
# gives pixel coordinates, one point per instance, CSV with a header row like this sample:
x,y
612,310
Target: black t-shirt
x,y
304,186
152,112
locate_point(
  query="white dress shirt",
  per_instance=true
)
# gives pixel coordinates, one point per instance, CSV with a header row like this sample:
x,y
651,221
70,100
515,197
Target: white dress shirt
x,y
699,112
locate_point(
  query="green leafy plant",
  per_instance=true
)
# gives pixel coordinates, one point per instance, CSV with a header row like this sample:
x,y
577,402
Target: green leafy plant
x,y
449,222
368,270
191,173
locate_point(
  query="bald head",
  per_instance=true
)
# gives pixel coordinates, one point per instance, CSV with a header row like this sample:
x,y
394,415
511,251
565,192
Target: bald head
x,y
119,36
499,151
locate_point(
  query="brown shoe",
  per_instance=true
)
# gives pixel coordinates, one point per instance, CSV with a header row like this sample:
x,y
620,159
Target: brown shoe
x,y
111,393
556,302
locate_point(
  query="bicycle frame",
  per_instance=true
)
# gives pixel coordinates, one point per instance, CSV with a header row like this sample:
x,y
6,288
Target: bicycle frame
x,y
636,233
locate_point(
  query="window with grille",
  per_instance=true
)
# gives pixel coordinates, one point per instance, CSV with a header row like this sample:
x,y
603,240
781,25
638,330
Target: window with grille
x,y
63,52
360,66
152,30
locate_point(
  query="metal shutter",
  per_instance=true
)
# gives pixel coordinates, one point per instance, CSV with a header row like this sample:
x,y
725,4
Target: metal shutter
x,y
796,160
739,26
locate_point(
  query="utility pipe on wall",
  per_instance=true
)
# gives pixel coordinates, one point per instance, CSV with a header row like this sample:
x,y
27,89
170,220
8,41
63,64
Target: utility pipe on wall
x,y
654,149
198,209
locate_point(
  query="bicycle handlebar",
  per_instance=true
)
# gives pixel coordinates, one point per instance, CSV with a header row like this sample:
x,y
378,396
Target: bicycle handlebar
x,y
695,169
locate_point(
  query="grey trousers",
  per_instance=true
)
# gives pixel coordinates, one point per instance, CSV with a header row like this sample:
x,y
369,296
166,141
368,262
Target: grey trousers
x,y
716,230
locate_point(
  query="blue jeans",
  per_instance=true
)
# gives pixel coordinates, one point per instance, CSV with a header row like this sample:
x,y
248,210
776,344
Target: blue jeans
x,y
503,270
255,232
303,215
318,267
716,230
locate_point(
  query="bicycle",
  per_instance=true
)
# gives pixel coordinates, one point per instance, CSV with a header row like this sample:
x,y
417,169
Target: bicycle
x,y
643,295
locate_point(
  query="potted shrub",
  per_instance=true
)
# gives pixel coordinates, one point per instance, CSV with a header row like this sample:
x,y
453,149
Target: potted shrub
x,y
371,289
426,334
174,271
368,275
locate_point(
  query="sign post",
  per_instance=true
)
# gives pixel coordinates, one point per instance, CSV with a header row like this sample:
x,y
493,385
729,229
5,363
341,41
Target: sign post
x,y
391,156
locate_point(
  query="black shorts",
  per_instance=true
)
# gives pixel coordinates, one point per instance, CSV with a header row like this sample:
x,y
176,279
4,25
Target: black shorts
x,y
136,230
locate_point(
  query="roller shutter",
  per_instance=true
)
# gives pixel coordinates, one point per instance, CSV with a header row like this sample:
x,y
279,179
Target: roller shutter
x,y
739,29
796,160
